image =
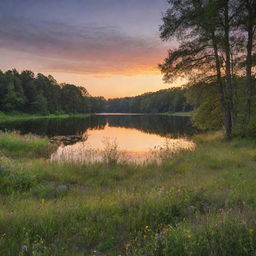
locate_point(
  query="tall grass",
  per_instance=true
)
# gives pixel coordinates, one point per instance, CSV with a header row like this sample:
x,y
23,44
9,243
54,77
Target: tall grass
x,y
199,202
16,145
17,116
111,154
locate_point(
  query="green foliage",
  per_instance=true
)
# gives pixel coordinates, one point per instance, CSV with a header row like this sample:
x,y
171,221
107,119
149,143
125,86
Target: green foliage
x,y
16,145
23,92
98,104
27,93
39,104
169,100
227,237
12,100
251,131
207,114
46,191
207,31
11,182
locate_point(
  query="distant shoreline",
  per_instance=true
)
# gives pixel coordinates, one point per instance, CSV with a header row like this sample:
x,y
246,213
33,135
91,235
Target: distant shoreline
x,y
142,114
4,117
178,114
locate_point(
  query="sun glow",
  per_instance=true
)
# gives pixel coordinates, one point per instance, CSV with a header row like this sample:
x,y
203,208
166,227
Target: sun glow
x,y
112,86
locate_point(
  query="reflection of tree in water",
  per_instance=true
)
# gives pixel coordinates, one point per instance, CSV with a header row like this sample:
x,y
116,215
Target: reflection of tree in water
x,y
156,124
54,127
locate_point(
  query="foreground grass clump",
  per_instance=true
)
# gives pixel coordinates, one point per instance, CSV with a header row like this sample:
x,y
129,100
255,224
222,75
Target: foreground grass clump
x,y
196,203
228,236
15,145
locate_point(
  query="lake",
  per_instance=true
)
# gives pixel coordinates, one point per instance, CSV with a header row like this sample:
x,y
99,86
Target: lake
x,y
130,137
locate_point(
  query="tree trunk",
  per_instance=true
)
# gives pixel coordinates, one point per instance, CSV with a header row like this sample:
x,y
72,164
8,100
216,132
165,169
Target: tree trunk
x,y
229,86
248,93
226,115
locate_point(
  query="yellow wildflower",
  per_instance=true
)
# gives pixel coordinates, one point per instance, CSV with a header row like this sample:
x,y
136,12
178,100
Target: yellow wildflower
x,y
251,230
127,245
146,229
43,201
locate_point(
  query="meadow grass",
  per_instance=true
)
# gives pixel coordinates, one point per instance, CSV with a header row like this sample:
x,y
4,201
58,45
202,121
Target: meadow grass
x,y
177,113
16,116
26,146
196,203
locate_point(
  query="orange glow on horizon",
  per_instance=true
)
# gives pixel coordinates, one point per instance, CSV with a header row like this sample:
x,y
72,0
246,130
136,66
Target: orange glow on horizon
x,y
124,80
115,86
133,81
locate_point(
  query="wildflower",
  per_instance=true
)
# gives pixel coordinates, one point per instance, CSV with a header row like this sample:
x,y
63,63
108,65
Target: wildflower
x,y
127,245
43,201
146,228
188,233
251,230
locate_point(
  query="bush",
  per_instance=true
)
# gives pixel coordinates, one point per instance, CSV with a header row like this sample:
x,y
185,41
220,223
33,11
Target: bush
x,y
11,182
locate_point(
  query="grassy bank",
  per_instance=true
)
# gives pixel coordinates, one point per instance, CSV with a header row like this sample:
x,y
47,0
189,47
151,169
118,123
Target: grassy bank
x,y
178,114
198,203
12,117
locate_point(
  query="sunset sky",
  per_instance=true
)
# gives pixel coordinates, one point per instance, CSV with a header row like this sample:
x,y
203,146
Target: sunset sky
x,y
111,47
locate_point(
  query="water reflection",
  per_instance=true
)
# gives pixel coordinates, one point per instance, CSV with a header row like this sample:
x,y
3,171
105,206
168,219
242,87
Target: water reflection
x,y
155,124
82,139
116,144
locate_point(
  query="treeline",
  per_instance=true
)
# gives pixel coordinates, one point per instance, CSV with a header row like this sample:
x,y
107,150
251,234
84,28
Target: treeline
x,y
40,94
217,54
169,100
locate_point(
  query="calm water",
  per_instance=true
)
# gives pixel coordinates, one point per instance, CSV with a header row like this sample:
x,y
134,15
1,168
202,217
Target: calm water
x,y
84,139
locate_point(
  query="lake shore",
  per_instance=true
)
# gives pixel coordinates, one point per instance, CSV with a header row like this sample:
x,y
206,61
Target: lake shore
x,y
195,203
5,117
177,114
